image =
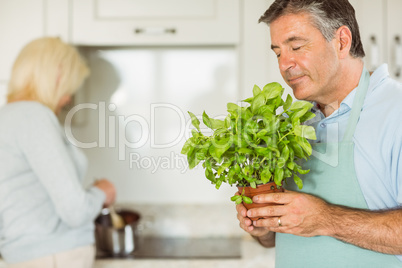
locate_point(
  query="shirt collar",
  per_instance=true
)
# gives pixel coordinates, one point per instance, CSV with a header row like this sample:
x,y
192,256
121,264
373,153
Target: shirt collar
x,y
376,77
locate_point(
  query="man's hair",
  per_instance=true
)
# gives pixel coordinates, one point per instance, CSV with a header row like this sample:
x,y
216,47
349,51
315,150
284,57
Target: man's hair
x,y
327,16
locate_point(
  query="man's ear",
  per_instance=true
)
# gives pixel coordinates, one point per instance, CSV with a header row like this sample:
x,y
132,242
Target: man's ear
x,y
344,40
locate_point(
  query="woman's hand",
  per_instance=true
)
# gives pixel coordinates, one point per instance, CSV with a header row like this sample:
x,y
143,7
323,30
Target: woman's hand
x,y
108,188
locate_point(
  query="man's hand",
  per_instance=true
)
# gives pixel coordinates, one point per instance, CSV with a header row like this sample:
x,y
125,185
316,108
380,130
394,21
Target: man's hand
x,y
262,234
300,214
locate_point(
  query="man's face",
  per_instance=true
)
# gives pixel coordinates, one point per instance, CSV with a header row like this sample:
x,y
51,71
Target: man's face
x,y
307,62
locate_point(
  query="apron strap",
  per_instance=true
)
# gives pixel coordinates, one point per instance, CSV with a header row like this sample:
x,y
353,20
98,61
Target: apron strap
x,y
357,105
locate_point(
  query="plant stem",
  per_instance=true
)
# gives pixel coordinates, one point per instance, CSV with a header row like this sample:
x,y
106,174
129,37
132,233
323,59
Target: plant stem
x,y
284,136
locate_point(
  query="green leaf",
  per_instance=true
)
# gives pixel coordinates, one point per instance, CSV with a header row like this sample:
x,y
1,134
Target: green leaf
x,y
187,146
297,114
235,198
247,200
278,176
285,153
285,126
221,149
297,149
245,151
290,165
301,171
218,184
238,201
195,133
309,115
253,184
301,105
258,101
266,175
224,166
256,90
210,175
192,159
195,121
288,102
206,120
305,145
298,181
227,122
266,111
281,162
304,131
233,107
216,123
249,100
272,90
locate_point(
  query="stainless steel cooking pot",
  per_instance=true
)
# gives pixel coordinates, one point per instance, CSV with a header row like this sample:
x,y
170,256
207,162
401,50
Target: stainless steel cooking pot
x,y
114,241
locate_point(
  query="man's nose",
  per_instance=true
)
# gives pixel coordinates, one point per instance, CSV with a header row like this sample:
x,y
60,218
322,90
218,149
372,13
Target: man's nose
x,y
286,61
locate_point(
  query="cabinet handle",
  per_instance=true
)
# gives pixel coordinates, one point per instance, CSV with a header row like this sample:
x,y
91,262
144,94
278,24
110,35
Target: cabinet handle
x,y
374,53
398,56
154,31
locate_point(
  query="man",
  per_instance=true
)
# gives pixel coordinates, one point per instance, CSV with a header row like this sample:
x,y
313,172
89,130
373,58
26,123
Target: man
x,y
348,213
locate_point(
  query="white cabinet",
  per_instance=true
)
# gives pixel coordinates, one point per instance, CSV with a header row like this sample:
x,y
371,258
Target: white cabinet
x,y
24,20
155,22
371,30
20,22
259,64
394,38
381,32
3,92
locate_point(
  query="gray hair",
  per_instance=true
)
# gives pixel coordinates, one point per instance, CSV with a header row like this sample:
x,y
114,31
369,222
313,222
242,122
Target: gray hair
x,y
327,16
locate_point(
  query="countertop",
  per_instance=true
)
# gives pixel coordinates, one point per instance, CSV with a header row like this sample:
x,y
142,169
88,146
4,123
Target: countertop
x,y
193,221
253,255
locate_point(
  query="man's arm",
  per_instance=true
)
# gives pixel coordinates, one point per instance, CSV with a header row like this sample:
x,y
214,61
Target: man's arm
x,y
305,215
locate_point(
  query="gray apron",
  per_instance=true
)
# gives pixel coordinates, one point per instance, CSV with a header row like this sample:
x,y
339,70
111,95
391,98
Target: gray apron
x,y
337,185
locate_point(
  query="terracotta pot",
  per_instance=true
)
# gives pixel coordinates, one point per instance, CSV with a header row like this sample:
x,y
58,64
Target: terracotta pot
x,y
269,187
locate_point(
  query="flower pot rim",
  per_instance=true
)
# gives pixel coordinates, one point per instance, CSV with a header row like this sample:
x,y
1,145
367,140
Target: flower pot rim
x,y
259,184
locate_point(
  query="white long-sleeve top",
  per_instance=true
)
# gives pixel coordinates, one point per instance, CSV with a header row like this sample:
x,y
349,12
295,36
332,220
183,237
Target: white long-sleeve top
x,y
44,208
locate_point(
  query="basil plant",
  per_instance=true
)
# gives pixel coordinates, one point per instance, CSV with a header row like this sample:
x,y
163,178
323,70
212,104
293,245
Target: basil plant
x,y
254,144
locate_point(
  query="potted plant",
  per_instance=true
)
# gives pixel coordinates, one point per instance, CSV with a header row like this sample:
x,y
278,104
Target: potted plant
x,y
255,145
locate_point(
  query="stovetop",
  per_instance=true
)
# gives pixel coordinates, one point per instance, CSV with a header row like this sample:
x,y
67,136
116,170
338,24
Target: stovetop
x,y
182,248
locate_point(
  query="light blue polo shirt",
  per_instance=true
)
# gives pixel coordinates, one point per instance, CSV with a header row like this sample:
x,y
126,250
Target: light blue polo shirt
x,y
378,139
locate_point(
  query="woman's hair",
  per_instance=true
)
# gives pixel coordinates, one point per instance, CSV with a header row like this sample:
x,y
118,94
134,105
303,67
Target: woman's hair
x,y
46,70
327,16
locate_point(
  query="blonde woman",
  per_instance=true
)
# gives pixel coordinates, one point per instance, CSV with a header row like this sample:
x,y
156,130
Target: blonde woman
x,y
46,216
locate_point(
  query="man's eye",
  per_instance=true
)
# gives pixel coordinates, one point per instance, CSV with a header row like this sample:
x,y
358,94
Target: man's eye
x,y
296,48
278,55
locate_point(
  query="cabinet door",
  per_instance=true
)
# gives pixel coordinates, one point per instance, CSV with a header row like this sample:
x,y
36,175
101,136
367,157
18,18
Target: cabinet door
x,y
155,22
259,63
3,92
370,18
20,22
394,38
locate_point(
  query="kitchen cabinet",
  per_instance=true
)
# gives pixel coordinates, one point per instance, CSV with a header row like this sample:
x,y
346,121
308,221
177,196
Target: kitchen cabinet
x,y
381,33
24,20
394,38
155,22
20,22
371,30
3,92
259,63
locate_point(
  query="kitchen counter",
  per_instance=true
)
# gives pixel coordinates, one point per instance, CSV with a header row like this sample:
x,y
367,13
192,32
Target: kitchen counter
x,y
192,221
253,255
